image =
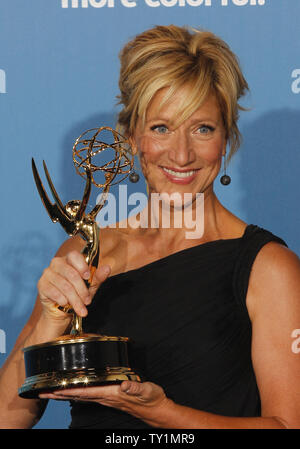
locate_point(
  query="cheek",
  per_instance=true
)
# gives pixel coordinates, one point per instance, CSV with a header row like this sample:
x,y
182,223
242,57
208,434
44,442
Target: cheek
x,y
149,149
212,152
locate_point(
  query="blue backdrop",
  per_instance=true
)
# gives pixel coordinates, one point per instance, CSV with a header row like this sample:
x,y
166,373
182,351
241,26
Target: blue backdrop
x,y
59,76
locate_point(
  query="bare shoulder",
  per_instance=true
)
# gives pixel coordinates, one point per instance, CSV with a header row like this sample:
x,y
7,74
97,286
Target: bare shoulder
x,y
75,243
113,247
229,225
110,238
275,277
114,244
273,302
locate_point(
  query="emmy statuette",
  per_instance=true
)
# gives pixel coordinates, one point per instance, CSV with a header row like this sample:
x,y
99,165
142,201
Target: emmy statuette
x,y
79,359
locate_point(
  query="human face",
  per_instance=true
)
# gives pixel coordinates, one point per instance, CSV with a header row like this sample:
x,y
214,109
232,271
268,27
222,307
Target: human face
x,y
183,159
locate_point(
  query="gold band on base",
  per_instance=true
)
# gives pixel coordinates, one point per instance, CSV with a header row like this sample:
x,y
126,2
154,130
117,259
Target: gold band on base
x,y
70,339
48,382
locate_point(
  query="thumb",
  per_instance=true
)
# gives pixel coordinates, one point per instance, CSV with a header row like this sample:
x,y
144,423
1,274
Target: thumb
x,y
99,276
133,388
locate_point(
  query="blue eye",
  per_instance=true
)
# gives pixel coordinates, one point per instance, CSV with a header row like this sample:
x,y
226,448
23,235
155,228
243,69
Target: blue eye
x,y
205,129
161,129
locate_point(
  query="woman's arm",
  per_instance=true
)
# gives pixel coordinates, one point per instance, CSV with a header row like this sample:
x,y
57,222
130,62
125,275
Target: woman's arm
x,y
61,283
15,412
273,302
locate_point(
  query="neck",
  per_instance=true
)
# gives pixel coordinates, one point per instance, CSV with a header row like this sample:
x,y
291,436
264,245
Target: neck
x,y
177,223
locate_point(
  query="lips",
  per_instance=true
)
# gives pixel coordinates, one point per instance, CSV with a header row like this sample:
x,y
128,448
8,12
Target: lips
x,y
179,176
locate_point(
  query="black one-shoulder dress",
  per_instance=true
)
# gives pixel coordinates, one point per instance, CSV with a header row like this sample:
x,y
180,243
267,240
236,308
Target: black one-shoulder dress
x,y
190,332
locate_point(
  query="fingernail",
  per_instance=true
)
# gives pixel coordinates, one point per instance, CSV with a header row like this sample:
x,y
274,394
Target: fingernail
x,y
83,311
86,275
88,299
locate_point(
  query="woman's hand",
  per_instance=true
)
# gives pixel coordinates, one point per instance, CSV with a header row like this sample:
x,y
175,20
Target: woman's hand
x,y
144,400
62,284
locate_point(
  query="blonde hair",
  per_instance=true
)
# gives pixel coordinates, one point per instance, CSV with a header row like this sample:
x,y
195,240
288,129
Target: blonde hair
x,y
176,57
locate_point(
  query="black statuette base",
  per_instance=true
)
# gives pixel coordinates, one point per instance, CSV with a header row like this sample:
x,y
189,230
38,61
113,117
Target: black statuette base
x,y
75,363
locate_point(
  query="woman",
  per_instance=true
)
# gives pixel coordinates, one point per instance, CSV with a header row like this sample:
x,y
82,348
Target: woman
x,y
210,317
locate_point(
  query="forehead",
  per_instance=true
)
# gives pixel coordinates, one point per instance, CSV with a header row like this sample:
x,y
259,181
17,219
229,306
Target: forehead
x,y
176,108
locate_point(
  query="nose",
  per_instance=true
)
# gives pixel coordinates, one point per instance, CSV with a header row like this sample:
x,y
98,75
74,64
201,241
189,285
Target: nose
x,y
181,151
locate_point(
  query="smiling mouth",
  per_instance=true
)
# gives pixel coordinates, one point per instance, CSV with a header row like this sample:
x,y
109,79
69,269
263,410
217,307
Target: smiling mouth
x,y
182,174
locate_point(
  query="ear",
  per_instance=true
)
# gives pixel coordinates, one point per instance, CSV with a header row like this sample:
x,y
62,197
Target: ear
x,y
133,145
224,148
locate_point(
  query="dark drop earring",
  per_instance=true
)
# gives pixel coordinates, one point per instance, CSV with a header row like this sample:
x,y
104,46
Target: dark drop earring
x,y
134,176
225,179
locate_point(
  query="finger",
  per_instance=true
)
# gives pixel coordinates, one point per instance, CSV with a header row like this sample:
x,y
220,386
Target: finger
x,y
100,275
68,292
89,393
50,293
78,262
53,396
67,271
133,388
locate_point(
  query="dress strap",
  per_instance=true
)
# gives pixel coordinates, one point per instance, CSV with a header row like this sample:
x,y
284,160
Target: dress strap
x,y
253,240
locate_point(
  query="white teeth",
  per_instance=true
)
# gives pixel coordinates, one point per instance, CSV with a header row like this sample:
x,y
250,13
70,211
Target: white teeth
x,y
178,174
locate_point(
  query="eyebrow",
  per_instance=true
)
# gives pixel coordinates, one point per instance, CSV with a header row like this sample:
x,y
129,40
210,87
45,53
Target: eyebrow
x,y
203,119
158,119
